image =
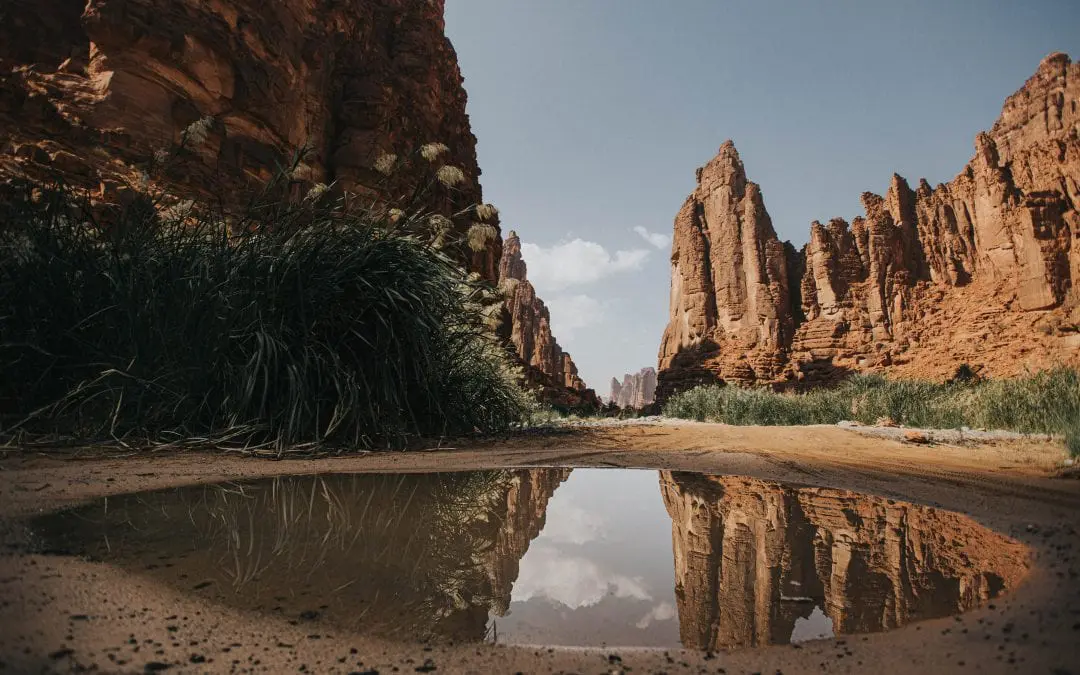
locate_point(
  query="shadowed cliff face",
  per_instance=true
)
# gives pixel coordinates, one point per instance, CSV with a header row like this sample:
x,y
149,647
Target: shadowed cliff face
x,y
757,563
982,270
89,92
546,364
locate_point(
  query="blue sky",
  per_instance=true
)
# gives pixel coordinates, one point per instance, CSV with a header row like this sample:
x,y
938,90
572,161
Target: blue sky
x,y
592,115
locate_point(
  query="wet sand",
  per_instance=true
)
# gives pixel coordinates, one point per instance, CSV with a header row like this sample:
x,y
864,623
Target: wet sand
x,y
64,614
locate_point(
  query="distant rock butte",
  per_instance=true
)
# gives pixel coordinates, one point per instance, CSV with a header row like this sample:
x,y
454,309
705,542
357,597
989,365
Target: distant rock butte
x,y
635,391
89,91
546,365
982,270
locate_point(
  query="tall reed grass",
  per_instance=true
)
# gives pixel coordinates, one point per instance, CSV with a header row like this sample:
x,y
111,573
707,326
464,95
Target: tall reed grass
x,y
1046,402
295,322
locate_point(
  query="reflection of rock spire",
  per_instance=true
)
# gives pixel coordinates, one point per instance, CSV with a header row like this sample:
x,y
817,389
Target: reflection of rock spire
x,y
525,508
751,557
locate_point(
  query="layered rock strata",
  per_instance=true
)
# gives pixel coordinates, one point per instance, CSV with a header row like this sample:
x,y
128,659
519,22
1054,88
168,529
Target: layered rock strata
x,y
982,270
636,390
752,558
92,92
528,323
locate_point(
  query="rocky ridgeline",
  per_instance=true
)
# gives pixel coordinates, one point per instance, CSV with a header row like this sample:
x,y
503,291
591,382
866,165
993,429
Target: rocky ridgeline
x,y
982,270
92,92
636,390
546,365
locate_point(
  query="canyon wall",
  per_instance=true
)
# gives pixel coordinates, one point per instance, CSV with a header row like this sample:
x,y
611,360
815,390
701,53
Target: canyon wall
x,y
91,92
982,270
528,323
752,558
103,95
636,390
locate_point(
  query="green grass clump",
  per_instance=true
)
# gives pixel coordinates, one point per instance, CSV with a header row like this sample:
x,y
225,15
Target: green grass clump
x,y
1046,402
299,321
1072,441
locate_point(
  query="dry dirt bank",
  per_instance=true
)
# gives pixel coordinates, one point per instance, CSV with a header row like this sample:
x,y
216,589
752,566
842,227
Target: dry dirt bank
x,y
49,605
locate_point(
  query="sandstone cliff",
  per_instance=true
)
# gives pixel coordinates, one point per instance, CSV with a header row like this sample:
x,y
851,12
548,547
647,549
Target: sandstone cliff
x,y
982,270
529,325
635,391
752,557
91,91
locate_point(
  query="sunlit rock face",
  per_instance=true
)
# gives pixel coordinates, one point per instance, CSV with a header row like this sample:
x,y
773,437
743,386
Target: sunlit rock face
x,y
730,296
90,91
757,562
546,365
981,270
636,390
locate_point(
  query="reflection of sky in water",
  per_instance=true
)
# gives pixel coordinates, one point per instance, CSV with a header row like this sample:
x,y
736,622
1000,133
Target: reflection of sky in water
x,y
817,626
601,570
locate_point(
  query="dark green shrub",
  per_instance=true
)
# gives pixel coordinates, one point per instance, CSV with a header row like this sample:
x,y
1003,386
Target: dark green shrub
x,y
296,322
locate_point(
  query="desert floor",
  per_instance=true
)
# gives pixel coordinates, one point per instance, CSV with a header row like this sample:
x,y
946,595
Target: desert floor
x,y
64,614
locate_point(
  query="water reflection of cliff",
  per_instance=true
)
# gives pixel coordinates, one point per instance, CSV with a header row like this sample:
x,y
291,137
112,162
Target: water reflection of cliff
x,y
405,556
752,558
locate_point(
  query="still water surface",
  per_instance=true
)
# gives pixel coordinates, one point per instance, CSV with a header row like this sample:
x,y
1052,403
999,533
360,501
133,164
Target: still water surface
x,y
581,557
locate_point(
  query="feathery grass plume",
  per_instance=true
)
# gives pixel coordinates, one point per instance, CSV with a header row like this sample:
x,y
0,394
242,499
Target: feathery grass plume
x,y
450,175
486,211
431,151
480,234
306,325
179,212
197,132
317,192
385,163
441,228
1046,402
508,286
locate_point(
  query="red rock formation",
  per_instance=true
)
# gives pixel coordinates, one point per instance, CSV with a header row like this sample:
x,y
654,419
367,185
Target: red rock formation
x,y
983,270
635,391
752,557
90,91
547,366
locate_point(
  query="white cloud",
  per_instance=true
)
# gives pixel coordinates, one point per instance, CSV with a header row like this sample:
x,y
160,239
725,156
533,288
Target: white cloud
x,y
662,612
817,626
657,239
574,262
572,312
568,523
571,581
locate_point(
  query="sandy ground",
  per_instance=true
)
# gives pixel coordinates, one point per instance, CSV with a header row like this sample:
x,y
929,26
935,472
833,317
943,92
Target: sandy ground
x,y
63,614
